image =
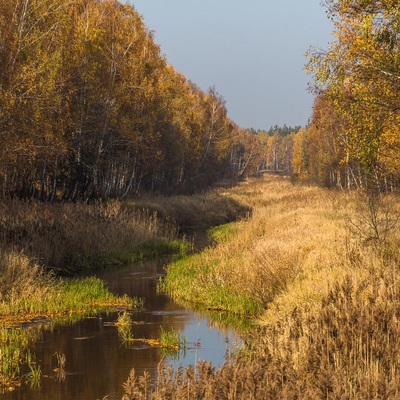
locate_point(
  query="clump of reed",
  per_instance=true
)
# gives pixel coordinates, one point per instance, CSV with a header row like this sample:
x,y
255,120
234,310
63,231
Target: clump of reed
x,y
124,326
60,369
170,339
14,353
34,376
21,277
13,350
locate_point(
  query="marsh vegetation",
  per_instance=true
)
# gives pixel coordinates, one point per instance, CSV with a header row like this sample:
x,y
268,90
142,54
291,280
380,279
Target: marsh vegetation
x,y
316,271
49,252
321,269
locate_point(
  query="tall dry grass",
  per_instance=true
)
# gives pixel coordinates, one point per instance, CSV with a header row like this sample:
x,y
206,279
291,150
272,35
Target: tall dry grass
x,y
69,237
325,266
292,231
20,278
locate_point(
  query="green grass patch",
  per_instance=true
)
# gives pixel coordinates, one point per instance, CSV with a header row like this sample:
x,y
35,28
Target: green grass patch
x,y
91,293
224,232
170,339
81,296
190,279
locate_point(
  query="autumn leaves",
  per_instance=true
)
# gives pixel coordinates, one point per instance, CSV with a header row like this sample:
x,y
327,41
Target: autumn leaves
x,y
359,76
90,108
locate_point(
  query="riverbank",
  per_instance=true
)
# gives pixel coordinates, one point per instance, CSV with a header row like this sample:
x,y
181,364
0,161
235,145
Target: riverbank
x,y
322,267
71,238
39,240
292,233
43,246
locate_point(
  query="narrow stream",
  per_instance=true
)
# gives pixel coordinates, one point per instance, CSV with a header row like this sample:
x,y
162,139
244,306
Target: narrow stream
x,y
98,362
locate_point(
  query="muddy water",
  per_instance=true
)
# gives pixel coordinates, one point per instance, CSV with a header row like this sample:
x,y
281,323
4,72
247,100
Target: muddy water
x,y
98,362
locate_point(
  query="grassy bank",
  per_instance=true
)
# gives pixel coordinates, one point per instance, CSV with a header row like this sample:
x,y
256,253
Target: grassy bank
x,y
323,268
49,301
69,238
41,242
257,258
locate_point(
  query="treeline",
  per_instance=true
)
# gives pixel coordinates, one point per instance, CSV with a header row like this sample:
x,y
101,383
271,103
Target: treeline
x,y
353,139
90,108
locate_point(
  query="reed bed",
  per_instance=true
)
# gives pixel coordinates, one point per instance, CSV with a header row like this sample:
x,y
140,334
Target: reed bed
x,y
72,237
323,267
68,238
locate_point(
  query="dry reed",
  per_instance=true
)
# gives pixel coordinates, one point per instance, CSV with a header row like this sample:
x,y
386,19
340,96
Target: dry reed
x,y
20,277
69,237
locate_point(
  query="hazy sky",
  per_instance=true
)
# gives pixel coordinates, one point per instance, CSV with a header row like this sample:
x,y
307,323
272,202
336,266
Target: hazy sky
x,y
252,52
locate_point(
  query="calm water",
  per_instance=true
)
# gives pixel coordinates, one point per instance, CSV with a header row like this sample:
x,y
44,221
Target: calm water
x,y
97,362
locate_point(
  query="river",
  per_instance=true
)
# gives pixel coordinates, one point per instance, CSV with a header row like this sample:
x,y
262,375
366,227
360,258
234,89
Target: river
x,y
97,360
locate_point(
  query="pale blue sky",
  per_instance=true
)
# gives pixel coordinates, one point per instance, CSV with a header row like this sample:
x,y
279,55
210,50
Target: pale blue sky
x,y
252,52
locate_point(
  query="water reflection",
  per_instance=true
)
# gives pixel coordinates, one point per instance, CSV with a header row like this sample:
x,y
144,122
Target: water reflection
x,y
96,360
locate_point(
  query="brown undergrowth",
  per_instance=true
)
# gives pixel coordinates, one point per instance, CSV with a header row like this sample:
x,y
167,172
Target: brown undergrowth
x,y
74,236
196,212
70,237
326,266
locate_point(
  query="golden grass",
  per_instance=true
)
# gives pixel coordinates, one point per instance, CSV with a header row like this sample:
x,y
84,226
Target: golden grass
x,y
21,277
325,265
293,232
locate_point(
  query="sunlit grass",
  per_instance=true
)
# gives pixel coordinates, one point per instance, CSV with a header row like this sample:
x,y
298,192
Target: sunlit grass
x,y
191,279
67,297
170,339
14,351
223,232
323,267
